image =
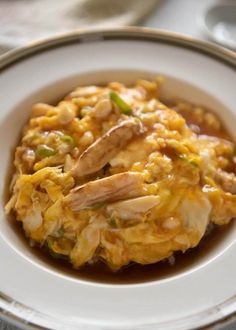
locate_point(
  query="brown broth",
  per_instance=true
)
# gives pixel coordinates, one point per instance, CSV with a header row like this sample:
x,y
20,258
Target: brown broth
x,y
203,128
133,273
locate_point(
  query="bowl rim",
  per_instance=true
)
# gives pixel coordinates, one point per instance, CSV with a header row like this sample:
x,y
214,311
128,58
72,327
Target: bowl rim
x,y
11,313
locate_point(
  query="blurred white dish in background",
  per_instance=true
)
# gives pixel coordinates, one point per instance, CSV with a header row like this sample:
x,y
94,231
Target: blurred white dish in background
x,y
219,24
22,21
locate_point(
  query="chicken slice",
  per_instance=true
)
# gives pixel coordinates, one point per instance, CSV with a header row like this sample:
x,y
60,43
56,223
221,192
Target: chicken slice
x,y
106,147
226,180
86,244
133,208
115,187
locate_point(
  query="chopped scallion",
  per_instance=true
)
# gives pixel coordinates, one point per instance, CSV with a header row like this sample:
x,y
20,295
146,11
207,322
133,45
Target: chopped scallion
x,y
112,223
54,254
43,151
68,139
124,107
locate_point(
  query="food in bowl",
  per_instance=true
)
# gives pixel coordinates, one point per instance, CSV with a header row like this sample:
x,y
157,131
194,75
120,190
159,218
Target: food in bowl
x,y
112,173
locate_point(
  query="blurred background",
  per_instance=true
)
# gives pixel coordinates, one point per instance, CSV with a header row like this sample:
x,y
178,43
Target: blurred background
x,y
24,21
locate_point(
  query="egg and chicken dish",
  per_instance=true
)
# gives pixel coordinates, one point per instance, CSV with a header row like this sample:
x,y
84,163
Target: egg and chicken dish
x,y
112,173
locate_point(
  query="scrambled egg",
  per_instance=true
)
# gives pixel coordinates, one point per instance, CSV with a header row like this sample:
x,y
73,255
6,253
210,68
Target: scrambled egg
x,y
112,173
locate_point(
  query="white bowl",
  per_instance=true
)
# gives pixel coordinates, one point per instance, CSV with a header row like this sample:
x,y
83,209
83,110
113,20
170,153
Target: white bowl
x,y
36,294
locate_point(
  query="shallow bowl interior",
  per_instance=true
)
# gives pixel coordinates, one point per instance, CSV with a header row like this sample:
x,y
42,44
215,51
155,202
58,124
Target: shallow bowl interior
x,y
53,93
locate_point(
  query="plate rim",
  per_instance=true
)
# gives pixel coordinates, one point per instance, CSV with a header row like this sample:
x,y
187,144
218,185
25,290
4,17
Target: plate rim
x,y
138,33
217,52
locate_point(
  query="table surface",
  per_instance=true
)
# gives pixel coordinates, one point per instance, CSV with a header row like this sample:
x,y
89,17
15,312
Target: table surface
x,y
173,15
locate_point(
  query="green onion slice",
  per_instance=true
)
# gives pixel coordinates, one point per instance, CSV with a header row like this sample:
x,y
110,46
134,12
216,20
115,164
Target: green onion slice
x,y
124,107
112,223
43,151
67,139
54,254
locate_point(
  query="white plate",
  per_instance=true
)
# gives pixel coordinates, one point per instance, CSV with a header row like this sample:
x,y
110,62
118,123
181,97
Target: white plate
x,y
38,294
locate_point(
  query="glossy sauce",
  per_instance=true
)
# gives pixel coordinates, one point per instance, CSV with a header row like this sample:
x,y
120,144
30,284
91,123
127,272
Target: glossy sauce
x,y
202,127
135,273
